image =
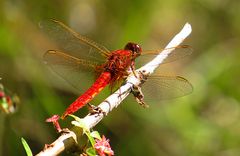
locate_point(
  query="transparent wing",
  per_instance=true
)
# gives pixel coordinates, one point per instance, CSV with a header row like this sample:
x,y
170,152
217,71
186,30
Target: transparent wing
x,y
159,88
75,57
78,72
71,42
178,52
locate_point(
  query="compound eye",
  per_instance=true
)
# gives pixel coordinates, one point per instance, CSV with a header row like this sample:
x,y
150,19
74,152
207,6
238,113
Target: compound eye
x,y
135,48
128,46
138,49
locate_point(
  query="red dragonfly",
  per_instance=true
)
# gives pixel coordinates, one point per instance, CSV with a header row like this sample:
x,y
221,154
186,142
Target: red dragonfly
x,y
77,56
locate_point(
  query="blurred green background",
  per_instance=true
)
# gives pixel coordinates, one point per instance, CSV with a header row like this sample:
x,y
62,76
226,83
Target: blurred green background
x,y
205,122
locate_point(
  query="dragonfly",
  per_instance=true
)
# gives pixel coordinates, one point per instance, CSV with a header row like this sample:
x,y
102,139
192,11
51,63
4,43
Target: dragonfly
x,y
8,101
76,57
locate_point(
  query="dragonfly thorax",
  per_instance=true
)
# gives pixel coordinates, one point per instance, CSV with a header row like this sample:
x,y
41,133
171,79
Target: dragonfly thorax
x,y
118,63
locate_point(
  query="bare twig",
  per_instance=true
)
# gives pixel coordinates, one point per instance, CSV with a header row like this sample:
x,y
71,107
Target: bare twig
x,y
117,97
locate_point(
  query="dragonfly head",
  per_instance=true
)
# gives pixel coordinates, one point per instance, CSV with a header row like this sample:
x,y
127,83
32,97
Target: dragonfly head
x,y
135,48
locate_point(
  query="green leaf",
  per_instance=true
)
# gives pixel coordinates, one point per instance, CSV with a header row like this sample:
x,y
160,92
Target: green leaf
x,y
75,117
91,139
26,147
79,123
91,151
95,134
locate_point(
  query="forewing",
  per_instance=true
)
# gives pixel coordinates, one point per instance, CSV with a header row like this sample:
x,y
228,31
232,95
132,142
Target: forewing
x,y
75,56
78,72
71,42
178,52
159,88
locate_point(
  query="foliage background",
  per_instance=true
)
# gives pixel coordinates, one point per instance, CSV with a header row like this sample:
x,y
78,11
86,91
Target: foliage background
x,y
203,123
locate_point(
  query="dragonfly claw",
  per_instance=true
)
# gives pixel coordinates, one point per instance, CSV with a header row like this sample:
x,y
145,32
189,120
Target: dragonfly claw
x,y
95,110
137,93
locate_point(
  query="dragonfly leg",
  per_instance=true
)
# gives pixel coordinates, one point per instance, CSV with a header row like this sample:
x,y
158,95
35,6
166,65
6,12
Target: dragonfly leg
x,y
137,93
133,70
95,110
130,70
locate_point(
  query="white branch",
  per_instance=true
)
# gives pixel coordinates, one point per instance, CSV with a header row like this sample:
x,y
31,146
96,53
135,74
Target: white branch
x,y
117,97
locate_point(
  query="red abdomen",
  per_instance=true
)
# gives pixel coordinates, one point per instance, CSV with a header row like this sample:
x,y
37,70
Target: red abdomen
x,y
102,81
